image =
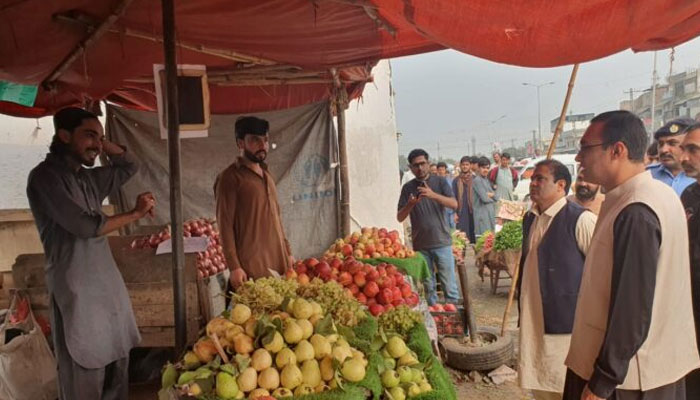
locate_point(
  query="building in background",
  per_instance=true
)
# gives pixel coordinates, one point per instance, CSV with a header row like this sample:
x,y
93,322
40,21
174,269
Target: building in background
x,y
572,131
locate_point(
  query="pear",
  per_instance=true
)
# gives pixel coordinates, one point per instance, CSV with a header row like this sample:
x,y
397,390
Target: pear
x,y
303,390
302,309
282,392
194,389
247,379
249,326
390,363
291,376
311,373
396,347
275,344
243,344
240,314
333,383
407,359
316,308
321,388
341,353
205,350
405,374
332,338
390,378
418,375
397,393
306,327
290,307
259,392
425,387
186,377
304,351
285,357
191,360
218,326
169,376
269,379
314,319
293,332
413,390
261,360
321,346
327,371
353,370
232,332
342,342
226,387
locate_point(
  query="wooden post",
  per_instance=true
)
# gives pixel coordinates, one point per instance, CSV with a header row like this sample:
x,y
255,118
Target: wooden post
x,y
562,116
175,180
511,295
468,312
340,105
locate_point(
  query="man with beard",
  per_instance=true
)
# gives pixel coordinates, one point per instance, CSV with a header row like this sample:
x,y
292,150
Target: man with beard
x,y
462,189
633,335
92,321
690,160
587,195
484,199
669,170
247,210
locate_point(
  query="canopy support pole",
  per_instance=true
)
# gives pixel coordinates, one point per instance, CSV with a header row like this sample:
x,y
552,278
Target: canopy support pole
x,y
552,146
85,43
562,116
175,179
340,105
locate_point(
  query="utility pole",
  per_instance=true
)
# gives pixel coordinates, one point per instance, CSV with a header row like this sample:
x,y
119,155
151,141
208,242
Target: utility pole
x,y
535,146
539,109
653,99
438,155
473,145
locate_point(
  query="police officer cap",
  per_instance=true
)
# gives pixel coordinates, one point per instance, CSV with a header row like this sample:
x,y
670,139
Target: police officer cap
x,y
674,127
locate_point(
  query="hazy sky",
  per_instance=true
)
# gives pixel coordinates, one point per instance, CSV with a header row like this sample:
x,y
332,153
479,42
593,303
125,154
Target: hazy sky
x,y
448,96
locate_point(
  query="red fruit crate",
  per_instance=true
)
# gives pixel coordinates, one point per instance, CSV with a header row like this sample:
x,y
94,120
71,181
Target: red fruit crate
x,y
449,323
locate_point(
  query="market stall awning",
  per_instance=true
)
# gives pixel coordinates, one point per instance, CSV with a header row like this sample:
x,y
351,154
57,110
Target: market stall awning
x,y
272,54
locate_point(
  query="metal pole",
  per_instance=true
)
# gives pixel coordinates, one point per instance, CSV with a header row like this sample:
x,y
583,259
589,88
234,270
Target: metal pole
x,y
175,181
344,174
539,121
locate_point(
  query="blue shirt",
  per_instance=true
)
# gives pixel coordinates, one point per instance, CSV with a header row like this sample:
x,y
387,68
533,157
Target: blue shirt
x,y
678,182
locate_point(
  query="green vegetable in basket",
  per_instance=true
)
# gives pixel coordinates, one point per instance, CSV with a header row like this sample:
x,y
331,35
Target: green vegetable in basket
x,y
510,237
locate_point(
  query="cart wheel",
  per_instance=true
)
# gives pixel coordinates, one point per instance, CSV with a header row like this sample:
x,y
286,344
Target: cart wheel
x,y
493,355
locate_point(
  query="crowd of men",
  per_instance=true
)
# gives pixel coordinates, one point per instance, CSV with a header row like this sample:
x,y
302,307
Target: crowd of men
x,y
609,294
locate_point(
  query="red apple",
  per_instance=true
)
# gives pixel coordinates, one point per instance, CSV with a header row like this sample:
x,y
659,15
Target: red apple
x,y
336,263
391,269
373,275
450,307
385,297
388,307
362,298
354,289
438,308
370,249
360,279
303,279
371,289
381,269
389,252
406,290
354,267
371,300
400,254
396,293
311,262
397,302
396,246
398,279
412,300
358,253
376,255
393,235
379,248
346,250
345,278
376,309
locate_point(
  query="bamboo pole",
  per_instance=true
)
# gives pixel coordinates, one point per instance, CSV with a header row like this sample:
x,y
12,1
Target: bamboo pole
x,y
552,146
342,155
175,179
84,44
562,116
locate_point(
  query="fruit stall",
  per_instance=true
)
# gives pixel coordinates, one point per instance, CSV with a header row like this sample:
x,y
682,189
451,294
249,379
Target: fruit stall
x,y
498,254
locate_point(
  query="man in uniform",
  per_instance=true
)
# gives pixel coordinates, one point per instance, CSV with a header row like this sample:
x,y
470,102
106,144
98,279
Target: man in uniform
x,y
247,210
92,321
633,335
669,170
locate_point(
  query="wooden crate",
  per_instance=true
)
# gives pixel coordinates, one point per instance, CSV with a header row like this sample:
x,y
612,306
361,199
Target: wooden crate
x,y
148,279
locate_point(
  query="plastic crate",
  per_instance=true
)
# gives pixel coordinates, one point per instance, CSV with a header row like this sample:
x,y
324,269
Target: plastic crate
x,y
450,323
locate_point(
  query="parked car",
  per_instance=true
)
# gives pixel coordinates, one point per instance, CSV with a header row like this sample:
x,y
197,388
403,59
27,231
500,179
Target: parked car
x,y
522,191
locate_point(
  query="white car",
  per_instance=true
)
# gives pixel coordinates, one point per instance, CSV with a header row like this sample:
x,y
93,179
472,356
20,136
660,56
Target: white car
x,y
522,191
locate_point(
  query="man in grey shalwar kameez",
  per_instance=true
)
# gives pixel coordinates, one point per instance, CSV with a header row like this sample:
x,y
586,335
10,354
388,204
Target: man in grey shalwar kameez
x,y
92,321
484,199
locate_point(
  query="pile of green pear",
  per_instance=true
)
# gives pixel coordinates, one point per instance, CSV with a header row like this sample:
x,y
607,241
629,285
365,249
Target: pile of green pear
x,y
402,376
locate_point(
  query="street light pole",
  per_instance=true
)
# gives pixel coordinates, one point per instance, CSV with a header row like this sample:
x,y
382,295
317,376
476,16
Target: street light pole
x,y
539,113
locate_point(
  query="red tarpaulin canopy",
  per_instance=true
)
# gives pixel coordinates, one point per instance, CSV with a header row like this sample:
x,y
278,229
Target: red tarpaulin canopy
x,y
272,54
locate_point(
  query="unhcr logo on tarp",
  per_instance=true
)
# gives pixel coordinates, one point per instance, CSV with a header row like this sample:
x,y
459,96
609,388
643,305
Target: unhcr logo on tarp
x,y
313,173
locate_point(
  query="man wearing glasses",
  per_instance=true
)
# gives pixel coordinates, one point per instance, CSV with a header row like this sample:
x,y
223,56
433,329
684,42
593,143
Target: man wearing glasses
x,y
633,335
669,170
425,199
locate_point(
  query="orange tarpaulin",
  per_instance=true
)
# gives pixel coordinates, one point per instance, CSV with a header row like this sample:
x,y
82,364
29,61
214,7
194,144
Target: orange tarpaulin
x,y
309,35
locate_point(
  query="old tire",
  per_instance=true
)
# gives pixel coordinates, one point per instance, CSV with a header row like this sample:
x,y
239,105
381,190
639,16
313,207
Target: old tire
x,y
484,358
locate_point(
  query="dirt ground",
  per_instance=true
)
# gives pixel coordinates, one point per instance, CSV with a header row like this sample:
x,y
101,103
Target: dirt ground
x,y
488,309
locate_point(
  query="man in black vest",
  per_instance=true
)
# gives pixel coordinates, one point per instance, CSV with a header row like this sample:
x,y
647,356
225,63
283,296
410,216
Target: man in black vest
x,y
556,236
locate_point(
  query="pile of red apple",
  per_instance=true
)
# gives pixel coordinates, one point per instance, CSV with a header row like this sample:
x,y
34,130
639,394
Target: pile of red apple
x,y
380,288
447,320
369,243
209,262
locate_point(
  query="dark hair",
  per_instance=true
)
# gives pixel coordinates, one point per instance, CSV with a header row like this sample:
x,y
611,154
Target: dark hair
x,y
474,159
558,170
67,119
415,154
251,126
484,162
505,155
441,164
496,152
653,149
623,126
465,159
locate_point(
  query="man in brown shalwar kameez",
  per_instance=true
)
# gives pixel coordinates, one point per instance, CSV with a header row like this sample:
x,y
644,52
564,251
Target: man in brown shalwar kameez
x,y
247,210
